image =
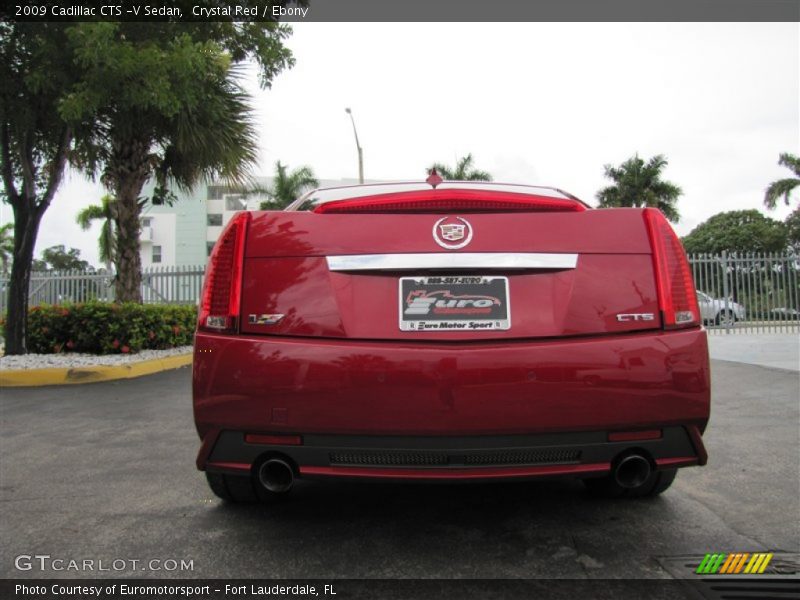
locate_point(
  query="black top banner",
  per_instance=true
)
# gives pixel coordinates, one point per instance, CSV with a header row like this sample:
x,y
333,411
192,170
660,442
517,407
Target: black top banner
x,y
406,10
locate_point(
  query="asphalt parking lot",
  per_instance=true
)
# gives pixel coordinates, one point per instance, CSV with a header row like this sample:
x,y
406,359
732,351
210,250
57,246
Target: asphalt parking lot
x,y
106,471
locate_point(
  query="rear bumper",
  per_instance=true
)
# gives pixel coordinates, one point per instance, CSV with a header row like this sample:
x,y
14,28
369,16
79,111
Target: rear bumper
x,y
351,395
583,454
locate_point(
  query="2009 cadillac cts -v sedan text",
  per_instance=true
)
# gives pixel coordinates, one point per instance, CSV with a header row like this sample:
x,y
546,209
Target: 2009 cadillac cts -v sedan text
x,y
448,331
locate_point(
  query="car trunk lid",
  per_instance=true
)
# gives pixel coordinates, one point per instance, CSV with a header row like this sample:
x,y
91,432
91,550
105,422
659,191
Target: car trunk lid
x,y
342,274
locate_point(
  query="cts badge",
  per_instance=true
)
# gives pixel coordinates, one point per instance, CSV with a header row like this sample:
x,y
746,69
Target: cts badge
x,y
264,319
624,317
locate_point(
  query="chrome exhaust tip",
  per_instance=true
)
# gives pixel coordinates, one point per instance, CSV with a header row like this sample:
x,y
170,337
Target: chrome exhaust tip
x,y
276,476
632,471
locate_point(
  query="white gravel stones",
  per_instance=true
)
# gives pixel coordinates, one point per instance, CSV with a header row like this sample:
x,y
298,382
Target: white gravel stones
x,y
71,360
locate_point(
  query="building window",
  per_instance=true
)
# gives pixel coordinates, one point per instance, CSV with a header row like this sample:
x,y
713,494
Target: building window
x,y
156,254
215,219
216,192
147,221
234,203
209,248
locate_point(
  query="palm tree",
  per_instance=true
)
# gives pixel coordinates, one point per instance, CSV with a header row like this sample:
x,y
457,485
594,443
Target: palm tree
x,y
216,140
638,183
463,171
783,187
6,245
287,186
105,212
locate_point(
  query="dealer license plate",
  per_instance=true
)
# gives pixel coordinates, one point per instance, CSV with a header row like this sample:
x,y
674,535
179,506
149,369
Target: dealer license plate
x,y
454,303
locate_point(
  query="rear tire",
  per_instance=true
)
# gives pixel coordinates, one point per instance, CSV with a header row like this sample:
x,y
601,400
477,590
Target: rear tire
x,y
663,482
233,488
607,487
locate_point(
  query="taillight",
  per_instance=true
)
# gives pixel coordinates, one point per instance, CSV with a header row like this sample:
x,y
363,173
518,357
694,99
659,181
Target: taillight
x,y
449,201
677,298
219,304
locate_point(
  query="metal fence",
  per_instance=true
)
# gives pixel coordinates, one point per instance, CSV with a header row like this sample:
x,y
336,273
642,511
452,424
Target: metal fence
x,y
748,293
736,293
160,285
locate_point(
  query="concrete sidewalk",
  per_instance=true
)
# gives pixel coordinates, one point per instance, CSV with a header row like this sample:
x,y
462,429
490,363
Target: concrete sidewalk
x,y
777,350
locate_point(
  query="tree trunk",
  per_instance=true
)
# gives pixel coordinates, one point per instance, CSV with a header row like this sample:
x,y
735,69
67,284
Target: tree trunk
x,y
26,228
126,174
129,264
29,205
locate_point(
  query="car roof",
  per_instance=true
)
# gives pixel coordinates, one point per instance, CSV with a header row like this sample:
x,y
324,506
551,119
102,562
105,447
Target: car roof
x,y
346,192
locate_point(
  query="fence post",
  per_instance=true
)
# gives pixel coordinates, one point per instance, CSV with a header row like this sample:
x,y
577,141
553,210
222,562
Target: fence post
x,y
725,290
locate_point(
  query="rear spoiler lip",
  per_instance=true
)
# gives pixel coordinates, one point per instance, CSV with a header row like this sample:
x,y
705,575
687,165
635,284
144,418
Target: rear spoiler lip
x,y
450,201
316,197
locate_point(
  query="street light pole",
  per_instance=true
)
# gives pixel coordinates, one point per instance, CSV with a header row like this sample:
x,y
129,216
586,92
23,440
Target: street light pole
x,y
358,146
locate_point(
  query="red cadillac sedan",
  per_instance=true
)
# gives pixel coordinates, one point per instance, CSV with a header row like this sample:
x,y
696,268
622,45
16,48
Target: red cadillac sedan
x,y
448,331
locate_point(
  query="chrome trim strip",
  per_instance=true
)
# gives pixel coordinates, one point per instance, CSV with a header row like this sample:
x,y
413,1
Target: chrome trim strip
x,y
441,260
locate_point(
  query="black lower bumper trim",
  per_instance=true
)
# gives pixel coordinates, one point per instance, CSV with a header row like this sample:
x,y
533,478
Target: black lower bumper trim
x,y
442,451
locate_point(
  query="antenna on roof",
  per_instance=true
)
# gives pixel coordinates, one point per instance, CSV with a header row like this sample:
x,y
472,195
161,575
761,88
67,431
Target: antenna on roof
x,y
433,178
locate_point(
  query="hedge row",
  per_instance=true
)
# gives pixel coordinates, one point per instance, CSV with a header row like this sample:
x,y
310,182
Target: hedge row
x,y
103,328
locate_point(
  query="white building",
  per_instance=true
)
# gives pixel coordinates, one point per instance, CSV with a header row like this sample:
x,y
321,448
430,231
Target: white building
x,y
184,233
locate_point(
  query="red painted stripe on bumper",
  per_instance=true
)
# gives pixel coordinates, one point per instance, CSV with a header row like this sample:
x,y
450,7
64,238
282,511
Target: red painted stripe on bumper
x,y
228,466
697,442
479,473
209,439
680,461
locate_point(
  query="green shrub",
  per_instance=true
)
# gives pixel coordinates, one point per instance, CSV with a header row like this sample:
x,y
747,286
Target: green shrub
x,y
103,328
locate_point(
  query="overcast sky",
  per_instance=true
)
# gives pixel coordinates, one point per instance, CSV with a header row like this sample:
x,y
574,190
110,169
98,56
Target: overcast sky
x,y
546,104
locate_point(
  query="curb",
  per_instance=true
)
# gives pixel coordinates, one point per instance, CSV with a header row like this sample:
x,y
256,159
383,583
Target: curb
x,y
73,375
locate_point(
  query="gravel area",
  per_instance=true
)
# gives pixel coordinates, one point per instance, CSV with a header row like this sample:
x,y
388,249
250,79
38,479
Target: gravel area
x,y
46,361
